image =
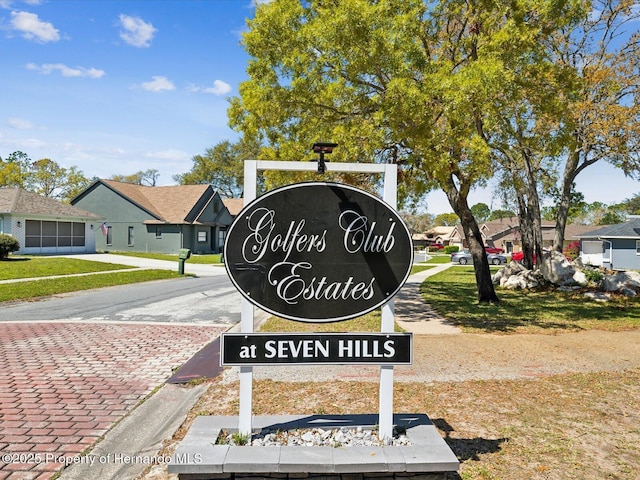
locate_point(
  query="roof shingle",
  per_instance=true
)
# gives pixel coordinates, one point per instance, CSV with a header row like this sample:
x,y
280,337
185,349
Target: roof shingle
x,y
19,201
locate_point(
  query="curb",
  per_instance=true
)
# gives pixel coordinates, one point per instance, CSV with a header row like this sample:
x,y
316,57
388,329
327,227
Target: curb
x,y
133,444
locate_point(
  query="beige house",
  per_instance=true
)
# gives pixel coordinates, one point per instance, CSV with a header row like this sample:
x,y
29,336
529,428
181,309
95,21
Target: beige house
x,y
46,226
502,233
440,234
505,233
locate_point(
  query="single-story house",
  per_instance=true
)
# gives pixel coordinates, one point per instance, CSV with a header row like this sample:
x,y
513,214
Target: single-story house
x,y
616,247
440,234
505,233
163,219
46,226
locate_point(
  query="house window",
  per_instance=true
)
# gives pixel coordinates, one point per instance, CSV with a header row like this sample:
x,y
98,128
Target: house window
x,y
109,236
78,234
130,237
54,234
64,234
32,233
637,247
222,234
49,234
158,231
202,237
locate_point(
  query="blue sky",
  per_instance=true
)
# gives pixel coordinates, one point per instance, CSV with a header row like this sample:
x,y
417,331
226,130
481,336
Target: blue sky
x,y
115,87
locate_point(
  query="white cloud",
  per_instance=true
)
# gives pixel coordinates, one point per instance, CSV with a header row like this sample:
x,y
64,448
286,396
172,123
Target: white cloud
x,y
137,32
47,68
219,88
20,124
158,84
170,154
33,28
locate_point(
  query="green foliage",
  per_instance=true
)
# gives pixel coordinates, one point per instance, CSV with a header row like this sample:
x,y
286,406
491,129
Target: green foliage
x,y
446,219
449,249
500,214
44,177
417,223
14,171
632,205
222,166
148,177
8,244
481,212
593,276
430,86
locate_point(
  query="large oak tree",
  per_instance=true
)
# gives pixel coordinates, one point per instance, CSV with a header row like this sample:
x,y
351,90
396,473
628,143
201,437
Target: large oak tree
x,y
417,83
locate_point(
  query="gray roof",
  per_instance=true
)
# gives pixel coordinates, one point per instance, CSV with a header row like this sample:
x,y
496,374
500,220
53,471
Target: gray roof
x,y
21,202
628,229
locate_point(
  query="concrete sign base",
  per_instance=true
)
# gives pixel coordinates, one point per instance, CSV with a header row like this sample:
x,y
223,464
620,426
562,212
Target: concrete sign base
x,y
197,456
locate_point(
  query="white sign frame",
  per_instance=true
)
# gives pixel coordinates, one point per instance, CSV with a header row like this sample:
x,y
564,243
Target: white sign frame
x,y
390,193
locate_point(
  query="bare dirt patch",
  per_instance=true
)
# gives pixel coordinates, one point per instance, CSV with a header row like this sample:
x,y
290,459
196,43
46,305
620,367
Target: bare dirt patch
x,y
543,425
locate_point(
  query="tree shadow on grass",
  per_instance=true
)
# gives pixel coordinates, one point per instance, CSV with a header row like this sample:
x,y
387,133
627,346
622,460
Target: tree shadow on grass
x,y
543,309
468,448
11,259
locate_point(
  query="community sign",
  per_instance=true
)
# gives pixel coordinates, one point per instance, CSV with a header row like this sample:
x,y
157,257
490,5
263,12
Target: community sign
x,y
318,252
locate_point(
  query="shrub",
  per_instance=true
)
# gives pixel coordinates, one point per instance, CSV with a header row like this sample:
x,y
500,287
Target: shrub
x,y
8,244
593,276
572,250
449,249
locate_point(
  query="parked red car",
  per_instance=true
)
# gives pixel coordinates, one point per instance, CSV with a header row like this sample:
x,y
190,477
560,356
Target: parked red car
x,y
439,246
493,250
519,256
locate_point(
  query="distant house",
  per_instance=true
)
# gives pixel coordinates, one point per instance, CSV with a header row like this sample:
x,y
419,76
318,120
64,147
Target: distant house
x,y
159,219
505,233
440,234
46,226
616,247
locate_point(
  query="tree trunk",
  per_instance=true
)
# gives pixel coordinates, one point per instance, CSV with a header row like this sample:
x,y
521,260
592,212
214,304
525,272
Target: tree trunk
x,y
533,210
526,232
458,201
565,200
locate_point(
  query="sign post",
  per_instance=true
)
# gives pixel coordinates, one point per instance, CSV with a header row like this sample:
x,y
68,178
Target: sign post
x,y
283,253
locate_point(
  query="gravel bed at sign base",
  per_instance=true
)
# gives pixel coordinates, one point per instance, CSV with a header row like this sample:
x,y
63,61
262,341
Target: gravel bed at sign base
x,y
316,437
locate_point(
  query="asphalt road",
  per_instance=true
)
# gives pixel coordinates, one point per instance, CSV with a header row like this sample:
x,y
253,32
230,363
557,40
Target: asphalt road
x,y
203,300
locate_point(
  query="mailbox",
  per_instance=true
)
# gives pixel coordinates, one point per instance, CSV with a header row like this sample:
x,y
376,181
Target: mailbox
x,y
183,254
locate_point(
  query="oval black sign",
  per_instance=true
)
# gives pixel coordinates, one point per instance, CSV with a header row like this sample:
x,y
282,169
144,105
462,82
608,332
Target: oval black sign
x,y
318,252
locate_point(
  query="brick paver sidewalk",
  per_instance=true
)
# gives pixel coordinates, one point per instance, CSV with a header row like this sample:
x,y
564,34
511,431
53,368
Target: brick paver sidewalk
x,y
63,385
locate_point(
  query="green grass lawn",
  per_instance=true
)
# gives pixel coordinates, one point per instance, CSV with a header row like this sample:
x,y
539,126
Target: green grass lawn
x,y
42,288
365,323
199,259
439,258
32,267
453,294
417,268
35,266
